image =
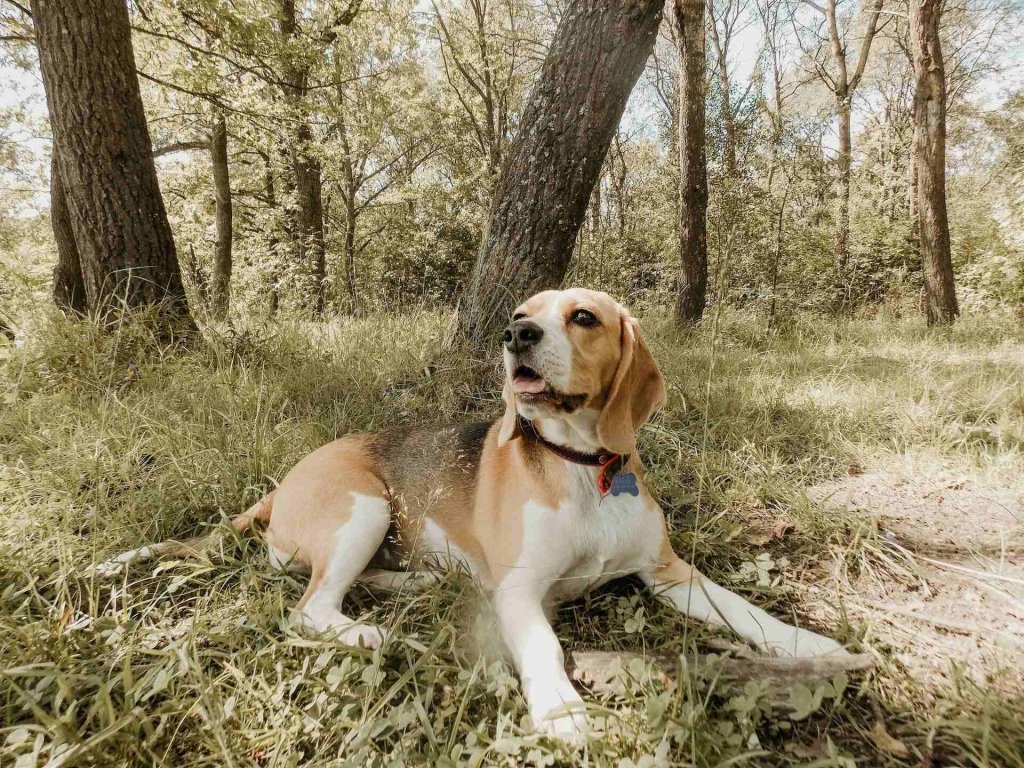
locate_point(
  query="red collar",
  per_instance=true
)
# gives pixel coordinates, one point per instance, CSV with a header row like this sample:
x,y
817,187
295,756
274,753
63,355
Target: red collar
x,y
610,463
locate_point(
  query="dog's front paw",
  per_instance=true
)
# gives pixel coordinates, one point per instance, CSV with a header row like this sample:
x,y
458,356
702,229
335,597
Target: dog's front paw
x,y
560,714
564,725
801,643
362,636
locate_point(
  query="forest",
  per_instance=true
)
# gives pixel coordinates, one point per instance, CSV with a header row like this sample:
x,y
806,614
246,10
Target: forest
x,y
234,230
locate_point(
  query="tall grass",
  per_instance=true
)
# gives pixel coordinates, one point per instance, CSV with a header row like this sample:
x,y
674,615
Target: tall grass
x,y
109,440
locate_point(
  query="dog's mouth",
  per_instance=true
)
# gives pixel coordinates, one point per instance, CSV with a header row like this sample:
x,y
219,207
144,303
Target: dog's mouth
x,y
526,381
531,387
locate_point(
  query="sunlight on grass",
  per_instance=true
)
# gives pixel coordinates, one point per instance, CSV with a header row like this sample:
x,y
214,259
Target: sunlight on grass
x,y
109,441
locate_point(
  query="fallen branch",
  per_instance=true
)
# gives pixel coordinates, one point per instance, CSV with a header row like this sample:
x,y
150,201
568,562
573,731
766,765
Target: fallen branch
x,y
598,670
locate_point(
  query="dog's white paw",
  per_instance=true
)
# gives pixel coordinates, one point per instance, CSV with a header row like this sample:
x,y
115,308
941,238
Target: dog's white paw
x,y
108,569
570,727
333,624
801,643
117,565
559,713
362,636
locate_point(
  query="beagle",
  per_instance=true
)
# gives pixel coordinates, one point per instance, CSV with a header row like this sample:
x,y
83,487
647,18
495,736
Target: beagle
x,y
540,506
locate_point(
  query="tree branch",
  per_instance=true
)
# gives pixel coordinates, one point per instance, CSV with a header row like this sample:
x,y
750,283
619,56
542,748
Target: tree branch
x,y
181,146
815,6
20,7
344,19
865,46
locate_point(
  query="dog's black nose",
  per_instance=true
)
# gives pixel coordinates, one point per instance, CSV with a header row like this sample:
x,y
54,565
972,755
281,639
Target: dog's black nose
x,y
521,335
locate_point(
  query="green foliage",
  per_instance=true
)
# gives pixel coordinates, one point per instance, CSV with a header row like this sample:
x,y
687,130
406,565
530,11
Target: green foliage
x,y
411,108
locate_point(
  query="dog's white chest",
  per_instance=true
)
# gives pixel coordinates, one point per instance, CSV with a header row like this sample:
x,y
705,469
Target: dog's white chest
x,y
591,540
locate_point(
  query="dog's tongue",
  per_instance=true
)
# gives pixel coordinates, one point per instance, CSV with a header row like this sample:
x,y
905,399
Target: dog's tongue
x,y
526,385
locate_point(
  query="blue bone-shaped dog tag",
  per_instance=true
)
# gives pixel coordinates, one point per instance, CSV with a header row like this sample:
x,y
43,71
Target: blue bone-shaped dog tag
x,y
624,483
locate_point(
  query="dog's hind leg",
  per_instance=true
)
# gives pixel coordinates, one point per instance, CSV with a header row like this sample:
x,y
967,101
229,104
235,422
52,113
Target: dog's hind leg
x,y
261,511
353,545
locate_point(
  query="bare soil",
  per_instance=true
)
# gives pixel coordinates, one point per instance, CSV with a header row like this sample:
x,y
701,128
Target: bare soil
x,y
947,585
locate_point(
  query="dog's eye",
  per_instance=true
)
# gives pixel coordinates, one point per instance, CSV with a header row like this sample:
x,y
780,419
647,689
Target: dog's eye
x,y
518,316
584,317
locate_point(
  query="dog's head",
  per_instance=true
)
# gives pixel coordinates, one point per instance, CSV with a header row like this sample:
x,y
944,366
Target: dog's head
x,y
566,351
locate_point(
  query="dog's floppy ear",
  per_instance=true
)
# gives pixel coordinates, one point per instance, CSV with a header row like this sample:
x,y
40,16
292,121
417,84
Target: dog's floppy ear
x,y
637,391
510,421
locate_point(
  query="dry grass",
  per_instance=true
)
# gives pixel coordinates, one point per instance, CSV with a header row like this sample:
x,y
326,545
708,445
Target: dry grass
x,y
107,441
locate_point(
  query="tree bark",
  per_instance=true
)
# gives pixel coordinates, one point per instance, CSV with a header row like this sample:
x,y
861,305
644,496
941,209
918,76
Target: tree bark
x,y
843,162
352,179
930,158
68,285
309,218
104,155
270,190
351,215
597,54
222,193
691,296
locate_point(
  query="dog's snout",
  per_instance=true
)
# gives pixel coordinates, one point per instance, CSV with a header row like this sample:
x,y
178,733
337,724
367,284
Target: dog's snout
x,y
521,335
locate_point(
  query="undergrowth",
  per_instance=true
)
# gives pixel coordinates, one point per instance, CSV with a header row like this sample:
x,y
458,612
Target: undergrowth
x,y
111,440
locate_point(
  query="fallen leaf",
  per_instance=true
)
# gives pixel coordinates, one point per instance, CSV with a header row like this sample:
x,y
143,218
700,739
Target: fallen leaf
x,y
886,742
816,750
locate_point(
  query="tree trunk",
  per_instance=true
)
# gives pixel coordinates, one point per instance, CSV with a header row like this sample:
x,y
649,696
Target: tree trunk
x,y
310,215
104,154
309,218
930,156
688,19
222,192
68,286
597,54
777,259
350,250
843,85
843,196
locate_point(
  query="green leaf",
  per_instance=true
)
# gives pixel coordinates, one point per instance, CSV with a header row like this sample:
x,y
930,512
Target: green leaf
x,y
803,701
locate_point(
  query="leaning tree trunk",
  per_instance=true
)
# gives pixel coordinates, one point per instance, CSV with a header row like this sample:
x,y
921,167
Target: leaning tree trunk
x,y
68,286
104,154
222,194
691,297
597,54
930,156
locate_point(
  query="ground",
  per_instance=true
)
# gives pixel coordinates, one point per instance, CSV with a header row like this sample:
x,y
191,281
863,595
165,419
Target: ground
x,y
863,477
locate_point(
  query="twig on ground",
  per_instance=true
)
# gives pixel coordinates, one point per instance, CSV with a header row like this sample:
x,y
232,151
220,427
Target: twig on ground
x,y
599,669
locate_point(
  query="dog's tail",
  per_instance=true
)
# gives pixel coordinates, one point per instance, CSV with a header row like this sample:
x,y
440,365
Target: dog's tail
x,y
187,547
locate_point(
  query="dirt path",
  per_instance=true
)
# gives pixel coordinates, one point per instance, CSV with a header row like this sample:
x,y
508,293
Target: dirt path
x,y
947,584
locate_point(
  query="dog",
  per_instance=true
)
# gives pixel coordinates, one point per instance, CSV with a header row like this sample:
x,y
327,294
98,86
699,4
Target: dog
x,y
540,506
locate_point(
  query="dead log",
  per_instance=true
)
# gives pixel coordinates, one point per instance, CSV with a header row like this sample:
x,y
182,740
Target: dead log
x,y
599,670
